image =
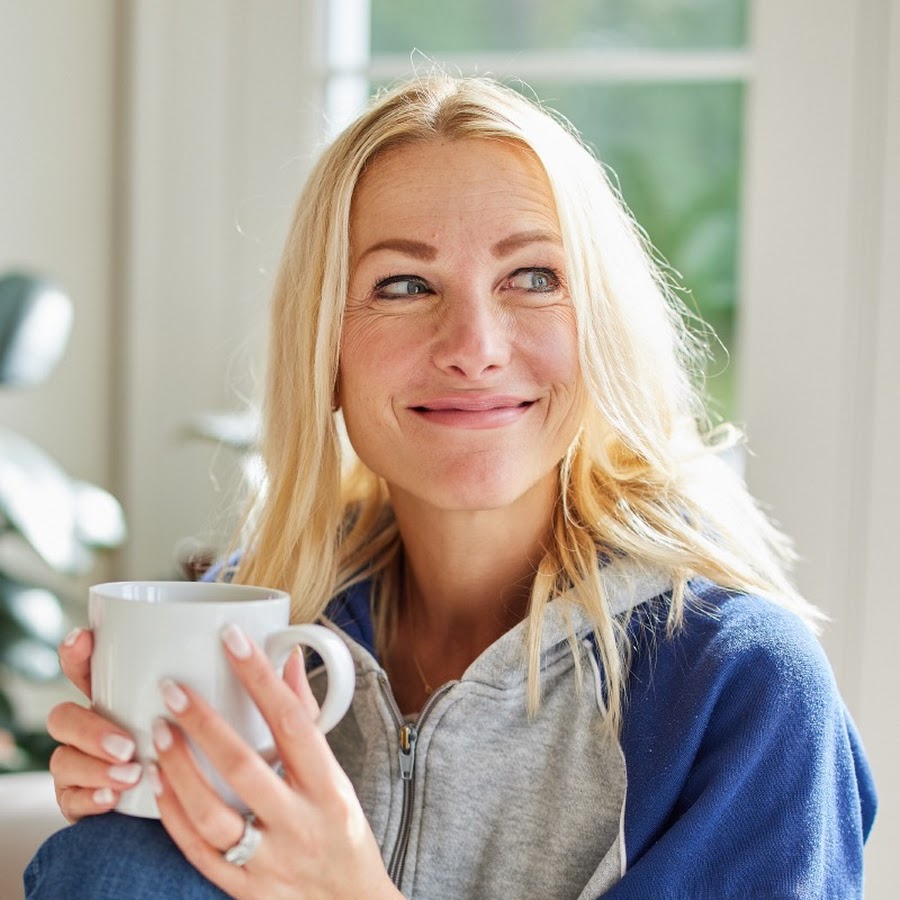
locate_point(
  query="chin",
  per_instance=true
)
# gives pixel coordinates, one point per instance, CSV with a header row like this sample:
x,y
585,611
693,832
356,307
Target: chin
x,y
491,488
476,501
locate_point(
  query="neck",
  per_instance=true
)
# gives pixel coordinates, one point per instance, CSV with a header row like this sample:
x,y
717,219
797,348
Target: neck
x,y
468,574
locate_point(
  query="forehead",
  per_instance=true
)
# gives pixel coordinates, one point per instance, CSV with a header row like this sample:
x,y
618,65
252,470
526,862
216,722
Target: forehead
x,y
436,185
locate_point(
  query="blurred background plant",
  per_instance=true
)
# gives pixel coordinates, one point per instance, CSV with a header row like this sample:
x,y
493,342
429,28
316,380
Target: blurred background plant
x,y
51,524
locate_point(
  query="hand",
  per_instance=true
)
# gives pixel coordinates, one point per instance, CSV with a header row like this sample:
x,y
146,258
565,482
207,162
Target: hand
x,y
316,841
95,761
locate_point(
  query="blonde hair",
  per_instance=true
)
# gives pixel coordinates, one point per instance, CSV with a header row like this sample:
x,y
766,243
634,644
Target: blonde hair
x,y
643,479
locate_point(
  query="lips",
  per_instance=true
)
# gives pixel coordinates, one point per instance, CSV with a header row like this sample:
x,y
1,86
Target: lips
x,y
476,411
473,403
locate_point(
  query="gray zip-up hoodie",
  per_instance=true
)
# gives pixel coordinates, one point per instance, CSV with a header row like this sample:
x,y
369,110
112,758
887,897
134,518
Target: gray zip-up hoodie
x,y
473,799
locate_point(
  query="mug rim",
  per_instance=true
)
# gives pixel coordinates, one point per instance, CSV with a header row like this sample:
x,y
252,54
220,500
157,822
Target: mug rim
x,y
241,593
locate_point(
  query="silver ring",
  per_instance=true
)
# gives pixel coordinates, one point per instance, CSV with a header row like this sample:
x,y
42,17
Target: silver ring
x,y
242,852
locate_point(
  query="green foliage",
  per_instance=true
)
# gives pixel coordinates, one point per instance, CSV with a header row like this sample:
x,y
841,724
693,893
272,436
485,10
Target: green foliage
x,y
30,626
26,751
463,26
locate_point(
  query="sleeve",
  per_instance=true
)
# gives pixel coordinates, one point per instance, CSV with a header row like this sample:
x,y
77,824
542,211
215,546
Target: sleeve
x,y
770,795
222,569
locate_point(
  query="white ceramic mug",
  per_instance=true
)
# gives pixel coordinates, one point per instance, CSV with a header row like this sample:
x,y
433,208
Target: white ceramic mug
x,y
145,631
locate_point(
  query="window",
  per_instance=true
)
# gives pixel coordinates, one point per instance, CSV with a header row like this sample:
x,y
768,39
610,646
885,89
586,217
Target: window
x,y
656,87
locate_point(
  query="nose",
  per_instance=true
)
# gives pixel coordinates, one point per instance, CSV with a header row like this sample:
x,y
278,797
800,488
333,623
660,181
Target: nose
x,y
473,336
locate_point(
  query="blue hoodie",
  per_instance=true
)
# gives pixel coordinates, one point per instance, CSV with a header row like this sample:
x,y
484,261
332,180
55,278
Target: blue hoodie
x,y
738,773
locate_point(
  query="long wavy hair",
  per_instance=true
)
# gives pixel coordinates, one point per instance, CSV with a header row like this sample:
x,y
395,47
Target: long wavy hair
x,y
644,478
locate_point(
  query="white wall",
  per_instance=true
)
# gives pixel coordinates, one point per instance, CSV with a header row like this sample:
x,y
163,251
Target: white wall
x,y
224,116
57,150
819,315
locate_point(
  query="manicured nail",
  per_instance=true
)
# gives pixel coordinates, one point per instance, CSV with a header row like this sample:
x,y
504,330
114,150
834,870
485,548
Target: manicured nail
x,y
176,699
103,796
127,774
162,734
118,745
72,636
154,779
236,641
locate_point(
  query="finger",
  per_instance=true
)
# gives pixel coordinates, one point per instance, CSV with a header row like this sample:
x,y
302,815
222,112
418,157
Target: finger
x,y
301,746
252,779
72,768
85,785
204,857
90,732
75,658
216,822
295,678
75,803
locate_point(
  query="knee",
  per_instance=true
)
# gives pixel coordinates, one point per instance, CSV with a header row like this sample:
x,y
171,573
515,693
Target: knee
x,y
113,856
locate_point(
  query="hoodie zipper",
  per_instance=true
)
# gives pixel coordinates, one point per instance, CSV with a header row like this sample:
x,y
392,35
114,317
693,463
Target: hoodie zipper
x,y
408,734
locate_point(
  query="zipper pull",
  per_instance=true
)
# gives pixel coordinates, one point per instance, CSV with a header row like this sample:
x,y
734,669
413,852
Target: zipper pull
x,y
408,738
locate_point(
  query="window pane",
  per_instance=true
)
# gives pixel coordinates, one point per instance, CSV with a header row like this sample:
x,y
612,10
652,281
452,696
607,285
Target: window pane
x,y
436,26
676,152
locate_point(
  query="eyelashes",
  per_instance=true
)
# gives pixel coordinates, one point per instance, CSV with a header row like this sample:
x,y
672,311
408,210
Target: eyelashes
x,y
539,280
400,286
528,279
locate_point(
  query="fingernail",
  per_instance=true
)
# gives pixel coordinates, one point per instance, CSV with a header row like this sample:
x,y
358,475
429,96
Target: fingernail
x,y
236,641
118,745
162,734
103,796
127,774
72,636
154,779
176,699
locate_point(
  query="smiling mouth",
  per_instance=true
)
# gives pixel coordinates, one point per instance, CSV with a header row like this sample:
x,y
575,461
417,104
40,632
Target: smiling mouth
x,y
473,406
474,413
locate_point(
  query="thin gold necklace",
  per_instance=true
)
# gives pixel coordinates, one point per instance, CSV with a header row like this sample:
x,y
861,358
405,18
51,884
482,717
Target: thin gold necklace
x,y
429,690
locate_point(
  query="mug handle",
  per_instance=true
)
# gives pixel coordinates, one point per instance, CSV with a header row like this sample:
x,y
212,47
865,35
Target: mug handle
x,y
338,663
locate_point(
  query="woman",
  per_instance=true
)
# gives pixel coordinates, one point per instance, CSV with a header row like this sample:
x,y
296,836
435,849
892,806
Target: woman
x,y
582,670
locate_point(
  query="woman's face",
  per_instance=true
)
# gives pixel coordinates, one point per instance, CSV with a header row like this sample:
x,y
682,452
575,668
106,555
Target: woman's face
x,y
459,377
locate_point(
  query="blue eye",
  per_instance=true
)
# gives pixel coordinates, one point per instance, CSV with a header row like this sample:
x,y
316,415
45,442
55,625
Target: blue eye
x,y
540,281
400,286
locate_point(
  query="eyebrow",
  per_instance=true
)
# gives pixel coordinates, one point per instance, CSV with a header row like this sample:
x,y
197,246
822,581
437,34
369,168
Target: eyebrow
x,y
520,239
503,247
416,249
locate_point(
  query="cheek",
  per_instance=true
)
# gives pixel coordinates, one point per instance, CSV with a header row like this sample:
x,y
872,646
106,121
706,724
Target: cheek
x,y
372,341
374,366
551,347
362,352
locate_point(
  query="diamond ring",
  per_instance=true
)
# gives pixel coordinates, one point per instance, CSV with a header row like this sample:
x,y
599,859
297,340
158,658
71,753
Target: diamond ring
x,y
242,852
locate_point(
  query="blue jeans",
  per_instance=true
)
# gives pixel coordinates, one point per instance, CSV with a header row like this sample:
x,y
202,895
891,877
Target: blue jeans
x,y
114,857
